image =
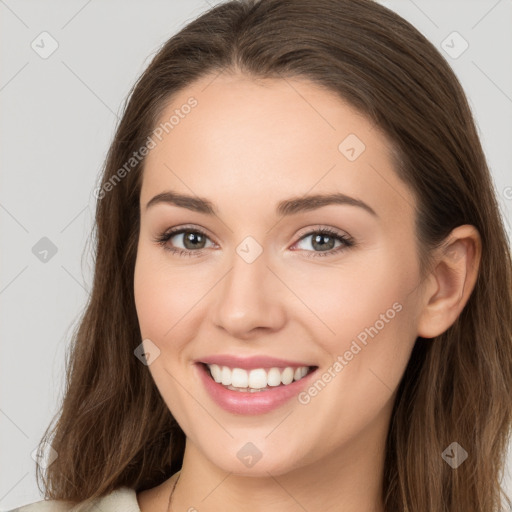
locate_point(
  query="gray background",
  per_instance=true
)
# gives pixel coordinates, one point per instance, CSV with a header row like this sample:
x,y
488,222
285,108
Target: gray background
x,y
58,118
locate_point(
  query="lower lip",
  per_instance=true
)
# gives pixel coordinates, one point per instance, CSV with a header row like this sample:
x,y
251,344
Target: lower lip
x,y
245,402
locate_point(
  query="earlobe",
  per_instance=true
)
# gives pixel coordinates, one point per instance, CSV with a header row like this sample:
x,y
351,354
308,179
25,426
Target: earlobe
x,y
451,282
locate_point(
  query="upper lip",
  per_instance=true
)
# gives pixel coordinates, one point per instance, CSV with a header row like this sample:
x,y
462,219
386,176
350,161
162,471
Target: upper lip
x,y
249,363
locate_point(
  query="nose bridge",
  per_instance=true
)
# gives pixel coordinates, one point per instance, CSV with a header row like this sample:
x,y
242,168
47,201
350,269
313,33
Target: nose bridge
x,y
248,296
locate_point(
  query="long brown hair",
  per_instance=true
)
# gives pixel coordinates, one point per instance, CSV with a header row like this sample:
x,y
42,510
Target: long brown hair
x,y
115,430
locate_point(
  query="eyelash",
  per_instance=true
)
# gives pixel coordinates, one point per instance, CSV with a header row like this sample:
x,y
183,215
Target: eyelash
x,y
164,237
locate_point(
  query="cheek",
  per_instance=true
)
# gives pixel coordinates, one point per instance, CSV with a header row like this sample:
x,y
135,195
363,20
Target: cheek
x,y
159,308
147,297
372,319
154,295
343,302
167,296
364,308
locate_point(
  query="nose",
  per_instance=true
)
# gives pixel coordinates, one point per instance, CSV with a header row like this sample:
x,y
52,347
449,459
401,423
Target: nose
x,y
250,298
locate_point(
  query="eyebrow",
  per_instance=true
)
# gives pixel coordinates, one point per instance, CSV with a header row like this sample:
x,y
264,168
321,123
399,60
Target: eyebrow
x,y
286,207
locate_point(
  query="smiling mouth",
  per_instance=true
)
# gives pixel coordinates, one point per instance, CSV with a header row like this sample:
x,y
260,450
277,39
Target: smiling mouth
x,y
257,379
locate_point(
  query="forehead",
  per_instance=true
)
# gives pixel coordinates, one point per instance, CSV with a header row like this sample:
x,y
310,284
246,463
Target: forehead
x,y
255,142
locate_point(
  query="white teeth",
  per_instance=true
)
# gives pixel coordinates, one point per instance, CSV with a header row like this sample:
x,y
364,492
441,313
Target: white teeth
x,y
216,372
256,379
226,376
239,378
287,375
274,377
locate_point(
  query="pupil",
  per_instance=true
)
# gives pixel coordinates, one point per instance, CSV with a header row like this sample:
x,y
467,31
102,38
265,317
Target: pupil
x,y
322,246
191,237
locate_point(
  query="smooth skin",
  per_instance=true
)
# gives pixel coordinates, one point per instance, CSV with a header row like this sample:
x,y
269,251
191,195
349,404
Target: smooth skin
x,y
246,146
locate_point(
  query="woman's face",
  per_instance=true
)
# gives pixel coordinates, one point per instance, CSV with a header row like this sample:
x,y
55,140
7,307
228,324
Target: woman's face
x,y
262,281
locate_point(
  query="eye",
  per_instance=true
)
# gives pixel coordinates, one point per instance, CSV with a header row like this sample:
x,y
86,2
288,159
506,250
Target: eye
x,y
324,239
194,241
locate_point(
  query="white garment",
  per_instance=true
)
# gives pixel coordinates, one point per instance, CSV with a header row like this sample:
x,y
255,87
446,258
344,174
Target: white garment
x,y
123,499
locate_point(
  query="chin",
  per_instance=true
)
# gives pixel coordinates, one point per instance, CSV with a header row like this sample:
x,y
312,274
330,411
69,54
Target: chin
x,y
250,459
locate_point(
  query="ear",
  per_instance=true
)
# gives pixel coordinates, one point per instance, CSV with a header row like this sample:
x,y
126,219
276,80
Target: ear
x,y
451,282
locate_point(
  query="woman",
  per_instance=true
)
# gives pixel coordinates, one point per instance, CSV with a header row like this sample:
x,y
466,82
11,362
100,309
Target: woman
x,y
227,359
